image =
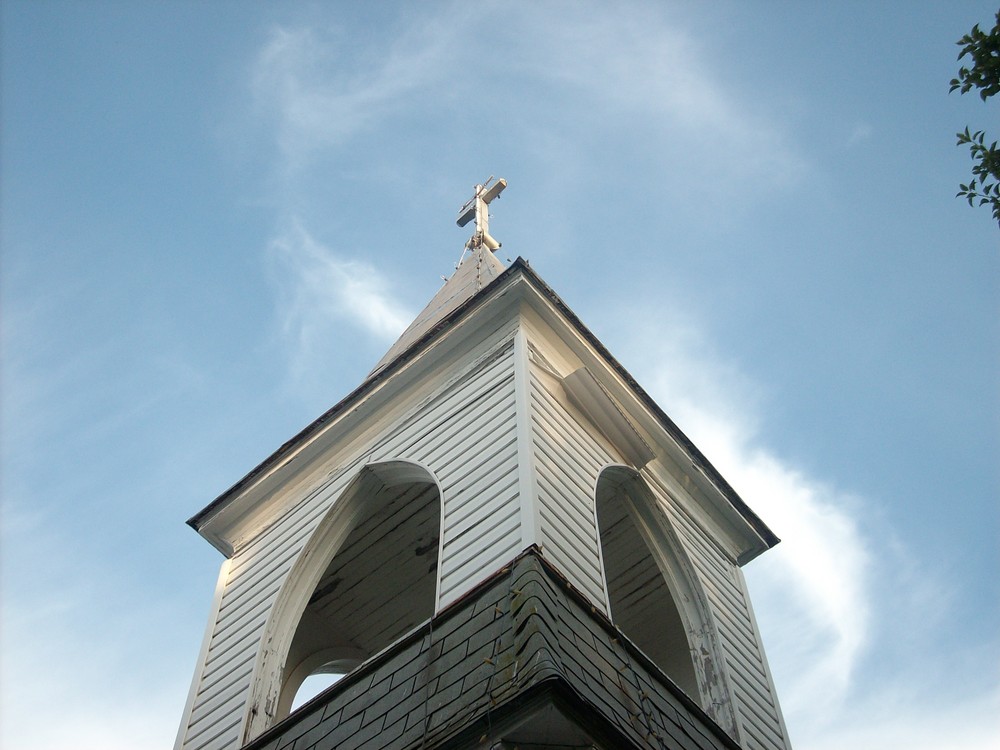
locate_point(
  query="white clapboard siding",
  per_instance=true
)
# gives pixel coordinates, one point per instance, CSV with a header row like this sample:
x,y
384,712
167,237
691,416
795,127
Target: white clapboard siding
x,y
465,434
753,693
568,458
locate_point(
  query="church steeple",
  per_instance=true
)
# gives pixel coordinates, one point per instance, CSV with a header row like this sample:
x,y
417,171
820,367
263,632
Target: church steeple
x,y
498,534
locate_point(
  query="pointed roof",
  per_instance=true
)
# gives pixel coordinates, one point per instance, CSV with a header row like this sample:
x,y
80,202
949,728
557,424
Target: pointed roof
x,y
477,270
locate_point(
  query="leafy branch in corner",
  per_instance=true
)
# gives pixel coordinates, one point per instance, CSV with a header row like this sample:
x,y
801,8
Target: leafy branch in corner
x,y
986,168
983,74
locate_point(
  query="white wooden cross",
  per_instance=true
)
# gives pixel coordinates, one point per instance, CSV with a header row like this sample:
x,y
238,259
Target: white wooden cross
x,y
476,208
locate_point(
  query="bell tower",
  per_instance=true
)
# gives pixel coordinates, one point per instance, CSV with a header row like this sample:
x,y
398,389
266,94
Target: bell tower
x,y
498,540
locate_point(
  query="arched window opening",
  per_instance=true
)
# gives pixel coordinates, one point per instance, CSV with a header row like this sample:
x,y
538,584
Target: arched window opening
x,y
641,602
379,584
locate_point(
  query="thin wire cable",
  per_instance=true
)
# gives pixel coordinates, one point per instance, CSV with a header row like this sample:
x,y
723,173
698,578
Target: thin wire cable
x,y
427,683
643,698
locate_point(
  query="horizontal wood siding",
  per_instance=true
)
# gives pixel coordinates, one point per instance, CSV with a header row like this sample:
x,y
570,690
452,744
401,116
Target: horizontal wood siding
x,y
476,462
753,695
256,576
568,459
465,434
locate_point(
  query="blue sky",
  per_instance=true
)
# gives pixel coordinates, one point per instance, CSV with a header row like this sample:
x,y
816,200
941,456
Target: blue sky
x,y
215,218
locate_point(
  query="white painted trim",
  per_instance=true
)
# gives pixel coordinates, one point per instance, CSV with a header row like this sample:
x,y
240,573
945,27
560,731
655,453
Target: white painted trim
x,y
517,295
527,480
589,396
199,671
685,587
659,475
355,430
261,708
600,546
567,349
350,657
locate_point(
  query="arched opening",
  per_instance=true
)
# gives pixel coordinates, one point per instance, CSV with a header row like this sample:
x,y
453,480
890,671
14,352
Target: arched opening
x,y
315,684
653,595
640,600
366,578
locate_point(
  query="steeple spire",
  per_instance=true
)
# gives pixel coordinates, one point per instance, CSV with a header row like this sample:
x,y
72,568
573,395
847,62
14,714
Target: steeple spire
x,y
476,269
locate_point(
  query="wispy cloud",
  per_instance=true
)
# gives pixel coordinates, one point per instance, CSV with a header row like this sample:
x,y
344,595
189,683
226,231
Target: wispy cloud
x,y
821,567
325,300
861,132
642,69
321,88
603,66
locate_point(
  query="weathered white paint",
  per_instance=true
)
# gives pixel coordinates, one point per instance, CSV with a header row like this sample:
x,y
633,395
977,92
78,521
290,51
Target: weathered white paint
x,y
527,474
206,642
476,208
568,459
760,720
570,450
665,557
586,393
377,486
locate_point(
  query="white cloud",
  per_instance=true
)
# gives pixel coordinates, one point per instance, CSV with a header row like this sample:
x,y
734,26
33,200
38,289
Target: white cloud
x,y
321,292
641,69
820,569
321,88
596,66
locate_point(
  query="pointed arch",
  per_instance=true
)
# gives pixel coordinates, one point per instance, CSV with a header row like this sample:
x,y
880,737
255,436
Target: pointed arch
x,y
368,574
654,595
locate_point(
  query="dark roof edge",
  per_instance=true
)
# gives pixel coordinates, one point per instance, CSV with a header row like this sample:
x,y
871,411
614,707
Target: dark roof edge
x,y
520,265
758,525
197,520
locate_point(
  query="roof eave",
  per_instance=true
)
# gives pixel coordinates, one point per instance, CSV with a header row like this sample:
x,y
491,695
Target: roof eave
x,y
370,384
374,381
698,458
